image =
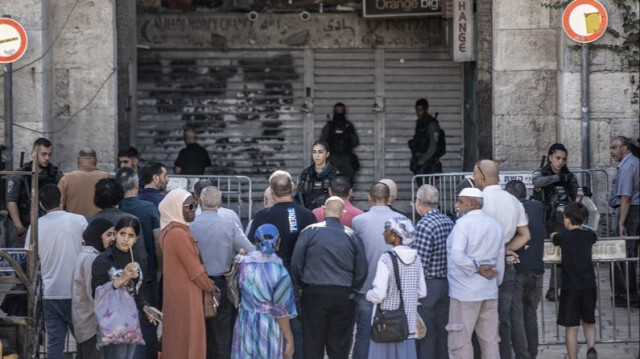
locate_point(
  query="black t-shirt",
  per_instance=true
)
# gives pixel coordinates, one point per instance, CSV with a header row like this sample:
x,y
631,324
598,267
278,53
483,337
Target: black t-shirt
x,y
193,159
531,254
290,219
577,266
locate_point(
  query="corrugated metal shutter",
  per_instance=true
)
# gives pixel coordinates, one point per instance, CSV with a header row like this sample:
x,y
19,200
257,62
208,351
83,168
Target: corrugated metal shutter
x,y
244,105
348,76
410,75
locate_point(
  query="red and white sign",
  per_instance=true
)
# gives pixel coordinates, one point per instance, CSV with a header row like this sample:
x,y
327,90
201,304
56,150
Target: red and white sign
x,y
13,41
584,20
463,31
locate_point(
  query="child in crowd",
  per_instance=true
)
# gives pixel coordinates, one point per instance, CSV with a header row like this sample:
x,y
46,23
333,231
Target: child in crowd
x,y
578,289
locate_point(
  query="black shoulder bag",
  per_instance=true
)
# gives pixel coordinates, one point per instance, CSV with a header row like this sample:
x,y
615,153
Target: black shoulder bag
x,y
391,325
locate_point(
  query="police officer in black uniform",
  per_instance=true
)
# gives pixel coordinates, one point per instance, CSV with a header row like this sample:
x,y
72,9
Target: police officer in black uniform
x,y
342,138
425,141
312,189
19,188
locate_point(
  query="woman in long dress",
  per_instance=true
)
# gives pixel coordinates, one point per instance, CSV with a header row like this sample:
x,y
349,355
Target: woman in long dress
x,y
262,327
184,280
399,233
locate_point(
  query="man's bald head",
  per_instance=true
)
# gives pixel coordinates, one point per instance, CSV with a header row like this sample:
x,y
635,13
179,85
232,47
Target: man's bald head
x,y
485,173
87,157
333,207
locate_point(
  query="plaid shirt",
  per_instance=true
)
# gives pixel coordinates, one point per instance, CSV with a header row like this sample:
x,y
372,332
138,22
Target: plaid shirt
x,y
431,243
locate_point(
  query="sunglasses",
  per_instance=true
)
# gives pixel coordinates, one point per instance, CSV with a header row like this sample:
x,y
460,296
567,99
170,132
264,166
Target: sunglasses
x,y
191,206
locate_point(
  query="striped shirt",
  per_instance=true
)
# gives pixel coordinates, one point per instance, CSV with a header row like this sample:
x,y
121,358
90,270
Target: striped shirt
x,y
431,243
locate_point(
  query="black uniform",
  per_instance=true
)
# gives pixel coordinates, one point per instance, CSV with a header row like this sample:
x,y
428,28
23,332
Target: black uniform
x,y
424,146
554,191
342,138
19,189
313,187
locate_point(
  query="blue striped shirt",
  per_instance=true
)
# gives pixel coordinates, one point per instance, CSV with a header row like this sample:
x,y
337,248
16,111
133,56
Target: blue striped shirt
x,y
431,243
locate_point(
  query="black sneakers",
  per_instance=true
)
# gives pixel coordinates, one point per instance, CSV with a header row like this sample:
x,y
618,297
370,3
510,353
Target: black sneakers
x,y
552,295
591,353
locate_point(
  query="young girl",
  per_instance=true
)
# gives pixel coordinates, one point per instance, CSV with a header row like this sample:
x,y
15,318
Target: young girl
x,y
118,266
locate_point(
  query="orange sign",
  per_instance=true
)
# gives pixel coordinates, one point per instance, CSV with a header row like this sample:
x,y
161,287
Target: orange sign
x,y
13,41
584,20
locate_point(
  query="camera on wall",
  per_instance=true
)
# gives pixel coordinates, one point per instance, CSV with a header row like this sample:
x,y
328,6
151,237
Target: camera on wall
x,y
253,16
305,16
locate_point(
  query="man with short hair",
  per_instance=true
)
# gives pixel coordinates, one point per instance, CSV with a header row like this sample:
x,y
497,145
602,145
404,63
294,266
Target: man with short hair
x,y
19,188
78,186
154,181
369,227
290,219
528,284
625,199
219,238
430,242
59,243
330,265
340,186
193,159
509,212
149,218
224,212
475,267
424,144
128,157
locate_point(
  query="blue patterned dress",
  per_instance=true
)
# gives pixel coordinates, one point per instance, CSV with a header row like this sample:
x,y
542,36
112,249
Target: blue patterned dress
x,y
266,295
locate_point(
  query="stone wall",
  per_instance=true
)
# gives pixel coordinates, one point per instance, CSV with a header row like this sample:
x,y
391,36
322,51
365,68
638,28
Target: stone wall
x,y
68,95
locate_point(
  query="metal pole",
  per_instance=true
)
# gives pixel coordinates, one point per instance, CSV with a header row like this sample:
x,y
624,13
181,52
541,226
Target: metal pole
x,y
8,113
584,91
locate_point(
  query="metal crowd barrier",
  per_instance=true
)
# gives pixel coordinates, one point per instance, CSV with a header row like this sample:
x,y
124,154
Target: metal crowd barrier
x,y
613,324
236,191
596,179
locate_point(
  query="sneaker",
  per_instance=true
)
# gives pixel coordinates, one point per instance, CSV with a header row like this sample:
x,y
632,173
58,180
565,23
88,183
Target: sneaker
x,y
591,353
552,295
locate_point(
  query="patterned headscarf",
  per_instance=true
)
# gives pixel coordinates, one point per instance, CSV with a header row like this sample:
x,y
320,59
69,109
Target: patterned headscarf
x,y
171,207
403,227
267,237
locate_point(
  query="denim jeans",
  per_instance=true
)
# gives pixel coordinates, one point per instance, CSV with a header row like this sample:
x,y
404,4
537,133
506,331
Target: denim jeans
x,y
531,293
118,351
434,311
57,320
364,311
518,333
505,299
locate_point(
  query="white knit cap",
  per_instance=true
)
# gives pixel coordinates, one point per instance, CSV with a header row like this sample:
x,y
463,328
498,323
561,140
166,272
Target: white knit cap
x,y
471,192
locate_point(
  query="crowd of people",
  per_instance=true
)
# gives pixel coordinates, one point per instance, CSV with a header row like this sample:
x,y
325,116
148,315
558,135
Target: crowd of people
x,y
120,255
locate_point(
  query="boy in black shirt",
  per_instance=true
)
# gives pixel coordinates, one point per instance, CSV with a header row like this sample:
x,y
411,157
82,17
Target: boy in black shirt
x,y
578,289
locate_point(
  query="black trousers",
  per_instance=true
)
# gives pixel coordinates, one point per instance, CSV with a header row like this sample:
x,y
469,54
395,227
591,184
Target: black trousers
x,y
220,328
327,321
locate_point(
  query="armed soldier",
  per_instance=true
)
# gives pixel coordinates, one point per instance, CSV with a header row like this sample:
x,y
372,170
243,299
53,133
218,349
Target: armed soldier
x,y
428,142
342,138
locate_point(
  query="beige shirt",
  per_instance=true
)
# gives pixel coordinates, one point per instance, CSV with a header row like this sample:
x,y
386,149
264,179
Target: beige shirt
x,y
78,189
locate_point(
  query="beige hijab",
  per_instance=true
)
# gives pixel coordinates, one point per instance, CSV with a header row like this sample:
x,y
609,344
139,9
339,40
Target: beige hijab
x,y
171,207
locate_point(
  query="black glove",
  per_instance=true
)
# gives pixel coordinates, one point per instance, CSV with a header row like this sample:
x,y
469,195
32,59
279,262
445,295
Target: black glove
x,y
563,177
586,191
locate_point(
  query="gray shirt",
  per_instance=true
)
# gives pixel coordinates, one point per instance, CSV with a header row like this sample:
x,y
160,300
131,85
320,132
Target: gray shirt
x,y
626,182
218,237
369,227
328,253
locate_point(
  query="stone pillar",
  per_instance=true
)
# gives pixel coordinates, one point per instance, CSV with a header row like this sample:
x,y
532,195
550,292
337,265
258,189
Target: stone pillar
x,y
524,83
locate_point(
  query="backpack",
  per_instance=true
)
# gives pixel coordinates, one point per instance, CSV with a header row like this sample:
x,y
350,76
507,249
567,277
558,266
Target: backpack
x,y
442,142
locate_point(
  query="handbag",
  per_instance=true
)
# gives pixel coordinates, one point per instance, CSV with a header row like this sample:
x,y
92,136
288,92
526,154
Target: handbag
x,y
210,302
233,286
391,325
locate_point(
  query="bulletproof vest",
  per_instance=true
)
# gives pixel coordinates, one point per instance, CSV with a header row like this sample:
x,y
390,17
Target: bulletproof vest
x,y
340,138
48,176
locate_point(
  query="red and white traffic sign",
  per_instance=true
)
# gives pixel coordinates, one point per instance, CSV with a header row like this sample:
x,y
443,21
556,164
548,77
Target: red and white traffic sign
x,y
584,20
13,41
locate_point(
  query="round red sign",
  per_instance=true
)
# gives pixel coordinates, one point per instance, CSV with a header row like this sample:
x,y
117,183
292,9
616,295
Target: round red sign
x,y
13,40
584,20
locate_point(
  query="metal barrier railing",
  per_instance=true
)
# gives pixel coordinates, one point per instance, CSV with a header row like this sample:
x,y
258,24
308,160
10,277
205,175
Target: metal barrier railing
x,y
596,179
614,324
236,191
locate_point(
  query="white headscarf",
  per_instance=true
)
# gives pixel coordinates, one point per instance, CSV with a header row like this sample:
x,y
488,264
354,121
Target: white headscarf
x,y
403,227
171,207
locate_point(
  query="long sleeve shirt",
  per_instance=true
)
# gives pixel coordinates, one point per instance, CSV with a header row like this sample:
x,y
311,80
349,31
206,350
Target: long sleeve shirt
x,y
475,240
328,253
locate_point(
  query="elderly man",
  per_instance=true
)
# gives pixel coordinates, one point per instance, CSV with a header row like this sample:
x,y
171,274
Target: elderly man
x,y
154,182
290,219
218,238
431,243
329,263
369,227
509,212
224,212
625,199
340,186
393,195
78,186
475,266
